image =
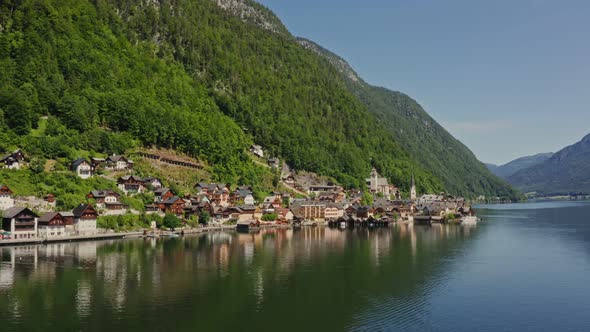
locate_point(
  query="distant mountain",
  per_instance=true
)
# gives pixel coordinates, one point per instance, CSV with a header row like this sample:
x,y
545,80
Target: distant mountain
x,y
435,149
567,171
516,165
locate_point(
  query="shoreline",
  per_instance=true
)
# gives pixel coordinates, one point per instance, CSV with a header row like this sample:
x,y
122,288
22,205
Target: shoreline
x,y
120,236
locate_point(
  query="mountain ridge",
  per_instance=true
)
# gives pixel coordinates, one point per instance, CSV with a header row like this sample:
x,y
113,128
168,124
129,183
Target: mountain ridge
x,y
418,133
566,172
511,167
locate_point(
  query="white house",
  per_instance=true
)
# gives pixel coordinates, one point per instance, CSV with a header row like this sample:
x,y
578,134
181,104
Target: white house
x,y
6,199
257,150
21,222
154,183
82,168
118,163
249,199
51,224
85,219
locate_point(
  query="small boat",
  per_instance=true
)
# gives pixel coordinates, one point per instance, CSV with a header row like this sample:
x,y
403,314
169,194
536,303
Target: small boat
x,y
171,235
469,220
309,223
342,224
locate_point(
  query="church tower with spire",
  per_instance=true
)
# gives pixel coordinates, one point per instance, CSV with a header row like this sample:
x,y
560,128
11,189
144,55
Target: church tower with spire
x,y
413,188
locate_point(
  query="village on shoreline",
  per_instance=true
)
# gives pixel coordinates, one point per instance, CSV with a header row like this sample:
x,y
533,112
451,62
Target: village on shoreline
x,y
213,205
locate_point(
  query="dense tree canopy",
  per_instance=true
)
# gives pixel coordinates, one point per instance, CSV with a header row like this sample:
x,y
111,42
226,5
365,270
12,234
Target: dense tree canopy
x,y
184,74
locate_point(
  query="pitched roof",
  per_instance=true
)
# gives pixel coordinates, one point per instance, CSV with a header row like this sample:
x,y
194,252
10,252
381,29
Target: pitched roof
x,y
161,191
14,211
78,162
104,193
172,200
47,216
116,158
80,209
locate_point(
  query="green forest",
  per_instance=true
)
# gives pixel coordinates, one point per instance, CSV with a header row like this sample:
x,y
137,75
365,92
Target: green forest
x,y
112,75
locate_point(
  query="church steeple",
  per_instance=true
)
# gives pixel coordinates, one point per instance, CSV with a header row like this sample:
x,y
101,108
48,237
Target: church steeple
x,y
413,188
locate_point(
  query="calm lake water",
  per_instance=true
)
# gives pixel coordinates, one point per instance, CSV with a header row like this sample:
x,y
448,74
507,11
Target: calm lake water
x,y
526,268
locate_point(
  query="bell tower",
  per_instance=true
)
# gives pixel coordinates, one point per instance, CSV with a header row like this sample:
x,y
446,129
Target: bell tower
x,y
413,188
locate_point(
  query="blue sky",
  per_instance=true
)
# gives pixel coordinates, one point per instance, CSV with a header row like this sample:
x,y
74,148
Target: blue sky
x,y
507,78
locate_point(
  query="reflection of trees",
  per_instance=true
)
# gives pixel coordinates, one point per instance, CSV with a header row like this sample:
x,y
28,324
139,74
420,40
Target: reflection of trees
x,y
326,273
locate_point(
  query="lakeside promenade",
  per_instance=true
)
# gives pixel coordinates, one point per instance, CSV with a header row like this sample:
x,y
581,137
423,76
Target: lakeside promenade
x,y
122,235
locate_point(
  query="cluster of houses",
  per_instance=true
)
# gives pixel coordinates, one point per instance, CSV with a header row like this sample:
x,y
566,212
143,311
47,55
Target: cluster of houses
x,y
85,168
19,222
221,202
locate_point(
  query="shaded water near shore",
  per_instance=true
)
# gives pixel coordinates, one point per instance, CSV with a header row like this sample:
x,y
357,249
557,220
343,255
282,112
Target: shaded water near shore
x,y
526,268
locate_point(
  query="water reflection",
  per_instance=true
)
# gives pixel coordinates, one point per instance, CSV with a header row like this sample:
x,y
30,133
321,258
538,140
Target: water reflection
x,y
132,284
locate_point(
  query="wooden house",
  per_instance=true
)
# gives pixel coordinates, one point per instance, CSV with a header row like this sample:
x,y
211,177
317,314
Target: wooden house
x,y
174,205
21,222
131,184
51,224
107,199
162,195
118,163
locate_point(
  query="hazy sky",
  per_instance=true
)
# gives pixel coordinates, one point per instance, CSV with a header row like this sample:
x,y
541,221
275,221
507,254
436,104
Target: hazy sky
x,y
508,78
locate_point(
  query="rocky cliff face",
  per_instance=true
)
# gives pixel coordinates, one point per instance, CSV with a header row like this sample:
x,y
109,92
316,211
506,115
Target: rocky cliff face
x,y
255,13
335,60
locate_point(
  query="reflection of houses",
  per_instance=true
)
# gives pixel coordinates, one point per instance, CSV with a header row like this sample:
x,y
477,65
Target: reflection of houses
x,y
107,199
85,219
82,168
14,160
131,184
21,222
51,224
6,199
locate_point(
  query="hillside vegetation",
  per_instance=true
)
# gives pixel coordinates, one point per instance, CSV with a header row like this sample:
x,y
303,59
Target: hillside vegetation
x,y
190,75
420,135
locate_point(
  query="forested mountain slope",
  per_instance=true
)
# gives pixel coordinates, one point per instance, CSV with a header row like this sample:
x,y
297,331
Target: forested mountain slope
x,y
204,77
418,133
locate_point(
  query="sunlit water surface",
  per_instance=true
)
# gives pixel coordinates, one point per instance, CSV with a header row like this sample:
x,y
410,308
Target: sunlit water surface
x,y
525,268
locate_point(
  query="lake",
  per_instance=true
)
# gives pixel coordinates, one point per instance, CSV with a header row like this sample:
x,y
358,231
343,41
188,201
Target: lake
x,y
525,268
